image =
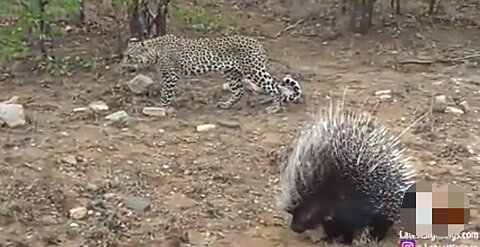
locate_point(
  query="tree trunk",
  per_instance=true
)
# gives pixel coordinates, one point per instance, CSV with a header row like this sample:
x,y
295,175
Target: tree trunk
x,y
81,13
161,17
371,5
145,19
366,15
133,21
42,27
395,4
354,9
431,7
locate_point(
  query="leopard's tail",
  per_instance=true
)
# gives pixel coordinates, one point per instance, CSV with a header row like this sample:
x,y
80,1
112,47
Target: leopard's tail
x,y
290,89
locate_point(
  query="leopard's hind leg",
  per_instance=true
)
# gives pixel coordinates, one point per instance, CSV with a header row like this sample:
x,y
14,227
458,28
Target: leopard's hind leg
x,y
265,81
233,77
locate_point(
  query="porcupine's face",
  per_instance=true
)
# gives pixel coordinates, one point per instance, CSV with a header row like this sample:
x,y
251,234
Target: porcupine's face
x,y
321,206
309,215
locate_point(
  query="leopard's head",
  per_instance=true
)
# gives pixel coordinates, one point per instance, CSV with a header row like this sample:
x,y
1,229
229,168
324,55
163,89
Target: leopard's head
x,y
135,56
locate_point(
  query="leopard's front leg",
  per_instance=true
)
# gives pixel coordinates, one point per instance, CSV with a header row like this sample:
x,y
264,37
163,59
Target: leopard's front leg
x,y
170,79
233,77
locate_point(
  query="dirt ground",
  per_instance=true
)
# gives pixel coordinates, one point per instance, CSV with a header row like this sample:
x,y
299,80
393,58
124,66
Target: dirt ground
x,y
218,186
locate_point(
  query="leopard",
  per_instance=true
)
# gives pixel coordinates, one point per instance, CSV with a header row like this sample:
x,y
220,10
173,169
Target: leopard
x,y
233,57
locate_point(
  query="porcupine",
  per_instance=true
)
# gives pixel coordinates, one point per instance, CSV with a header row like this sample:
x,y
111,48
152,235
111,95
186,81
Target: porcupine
x,y
347,173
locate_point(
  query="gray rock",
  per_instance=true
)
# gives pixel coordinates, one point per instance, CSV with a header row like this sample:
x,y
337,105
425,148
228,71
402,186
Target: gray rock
x,y
12,115
118,116
205,127
439,103
154,111
465,106
78,213
98,106
70,159
137,204
48,220
13,100
454,110
139,83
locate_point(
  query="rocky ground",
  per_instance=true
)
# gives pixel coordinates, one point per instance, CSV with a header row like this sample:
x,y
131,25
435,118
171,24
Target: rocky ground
x,y
69,176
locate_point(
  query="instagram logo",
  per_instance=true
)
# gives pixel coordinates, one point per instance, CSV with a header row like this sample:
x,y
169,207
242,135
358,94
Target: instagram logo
x,y
407,243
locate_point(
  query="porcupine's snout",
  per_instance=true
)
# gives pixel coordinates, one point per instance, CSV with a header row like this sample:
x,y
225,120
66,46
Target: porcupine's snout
x,y
307,217
297,226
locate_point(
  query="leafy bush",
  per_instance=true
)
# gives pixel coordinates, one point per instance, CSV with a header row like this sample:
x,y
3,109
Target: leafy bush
x,y
20,21
202,17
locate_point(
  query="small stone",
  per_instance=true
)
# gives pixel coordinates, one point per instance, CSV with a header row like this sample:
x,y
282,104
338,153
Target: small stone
x,y
73,225
439,103
12,100
48,220
170,111
454,110
205,127
92,187
110,196
118,116
137,204
315,234
98,106
139,83
465,106
12,115
385,97
80,109
228,123
154,111
383,92
78,213
70,159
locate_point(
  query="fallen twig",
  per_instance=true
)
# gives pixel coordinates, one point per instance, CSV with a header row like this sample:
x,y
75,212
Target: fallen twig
x,y
440,60
289,27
